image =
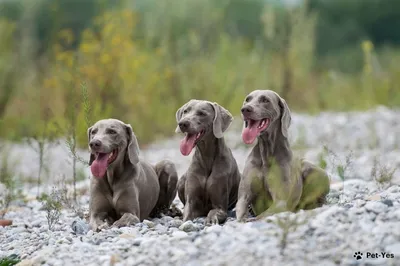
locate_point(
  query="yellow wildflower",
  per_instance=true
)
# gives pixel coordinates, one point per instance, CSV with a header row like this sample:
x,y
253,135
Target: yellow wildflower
x,y
105,58
367,46
66,35
116,40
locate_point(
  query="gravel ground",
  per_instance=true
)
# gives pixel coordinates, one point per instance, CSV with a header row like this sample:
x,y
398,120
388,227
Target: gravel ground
x,y
363,213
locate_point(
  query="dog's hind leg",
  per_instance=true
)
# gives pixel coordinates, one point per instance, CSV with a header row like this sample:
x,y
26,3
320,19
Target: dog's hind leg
x,y
315,187
168,179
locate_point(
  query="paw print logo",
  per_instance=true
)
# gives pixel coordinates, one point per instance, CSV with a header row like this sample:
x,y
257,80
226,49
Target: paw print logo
x,y
358,255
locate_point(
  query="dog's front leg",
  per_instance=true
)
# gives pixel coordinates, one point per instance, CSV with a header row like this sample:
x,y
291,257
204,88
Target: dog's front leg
x,y
127,207
217,191
249,187
99,208
244,199
193,199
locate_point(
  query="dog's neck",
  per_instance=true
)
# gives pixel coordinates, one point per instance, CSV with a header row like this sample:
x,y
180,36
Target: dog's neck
x,y
208,149
273,145
116,172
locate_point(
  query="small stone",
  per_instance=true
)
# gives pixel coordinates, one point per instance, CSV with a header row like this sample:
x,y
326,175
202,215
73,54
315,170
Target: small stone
x,y
388,240
115,230
125,235
19,230
175,223
156,220
199,220
394,189
188,226
394,249
137,241
388,202
366,225
375,206
359,203
26,262
114,259
160,229
42,256
80,227
36,223
166,219
63,240
150,224
90,233
375,197
213,228
348,205
144,230
179,234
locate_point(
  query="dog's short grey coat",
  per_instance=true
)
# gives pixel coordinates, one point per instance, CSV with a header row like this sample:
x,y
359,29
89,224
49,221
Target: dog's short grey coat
x,y
210,185
132,189
302,184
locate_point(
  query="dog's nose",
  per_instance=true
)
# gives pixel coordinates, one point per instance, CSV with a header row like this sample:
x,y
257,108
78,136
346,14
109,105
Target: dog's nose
x,y
183,125
246,109
95,144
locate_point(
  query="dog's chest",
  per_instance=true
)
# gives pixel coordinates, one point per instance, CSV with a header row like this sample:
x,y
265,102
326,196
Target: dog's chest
x,y
115,195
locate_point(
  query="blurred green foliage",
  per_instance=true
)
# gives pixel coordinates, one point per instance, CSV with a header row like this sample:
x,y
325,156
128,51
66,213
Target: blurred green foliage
x,y
143,59
10,260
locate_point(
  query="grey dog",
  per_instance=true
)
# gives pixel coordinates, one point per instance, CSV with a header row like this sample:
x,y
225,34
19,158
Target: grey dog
x,y
125,190
273,180
210,185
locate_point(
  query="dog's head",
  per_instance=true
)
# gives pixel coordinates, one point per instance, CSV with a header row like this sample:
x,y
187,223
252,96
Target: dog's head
x,y
198,119
110,142
262,111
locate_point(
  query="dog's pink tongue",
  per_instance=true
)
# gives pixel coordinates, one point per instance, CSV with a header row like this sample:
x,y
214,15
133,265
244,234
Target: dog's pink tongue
x,y
187,144
250,133
99,166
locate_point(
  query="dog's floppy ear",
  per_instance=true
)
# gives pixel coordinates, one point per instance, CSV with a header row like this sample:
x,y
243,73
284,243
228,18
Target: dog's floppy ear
x,y
133,147
91,159
285,116
178,116
222,120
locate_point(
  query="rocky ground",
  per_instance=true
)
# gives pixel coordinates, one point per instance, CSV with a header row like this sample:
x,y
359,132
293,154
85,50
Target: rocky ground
x,y
363,213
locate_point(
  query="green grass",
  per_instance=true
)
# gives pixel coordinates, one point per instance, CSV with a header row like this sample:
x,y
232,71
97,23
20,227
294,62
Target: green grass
x,y
10,260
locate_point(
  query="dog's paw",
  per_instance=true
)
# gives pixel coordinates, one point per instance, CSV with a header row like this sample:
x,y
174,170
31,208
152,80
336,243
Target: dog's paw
x,y
175,212
97,226
215,217
126,220
241,220
211,220
103,226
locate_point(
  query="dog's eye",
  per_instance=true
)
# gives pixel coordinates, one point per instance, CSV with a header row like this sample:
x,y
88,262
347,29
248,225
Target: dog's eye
x,y
185,111
264,100
94,131
200,113
248,99
111,131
